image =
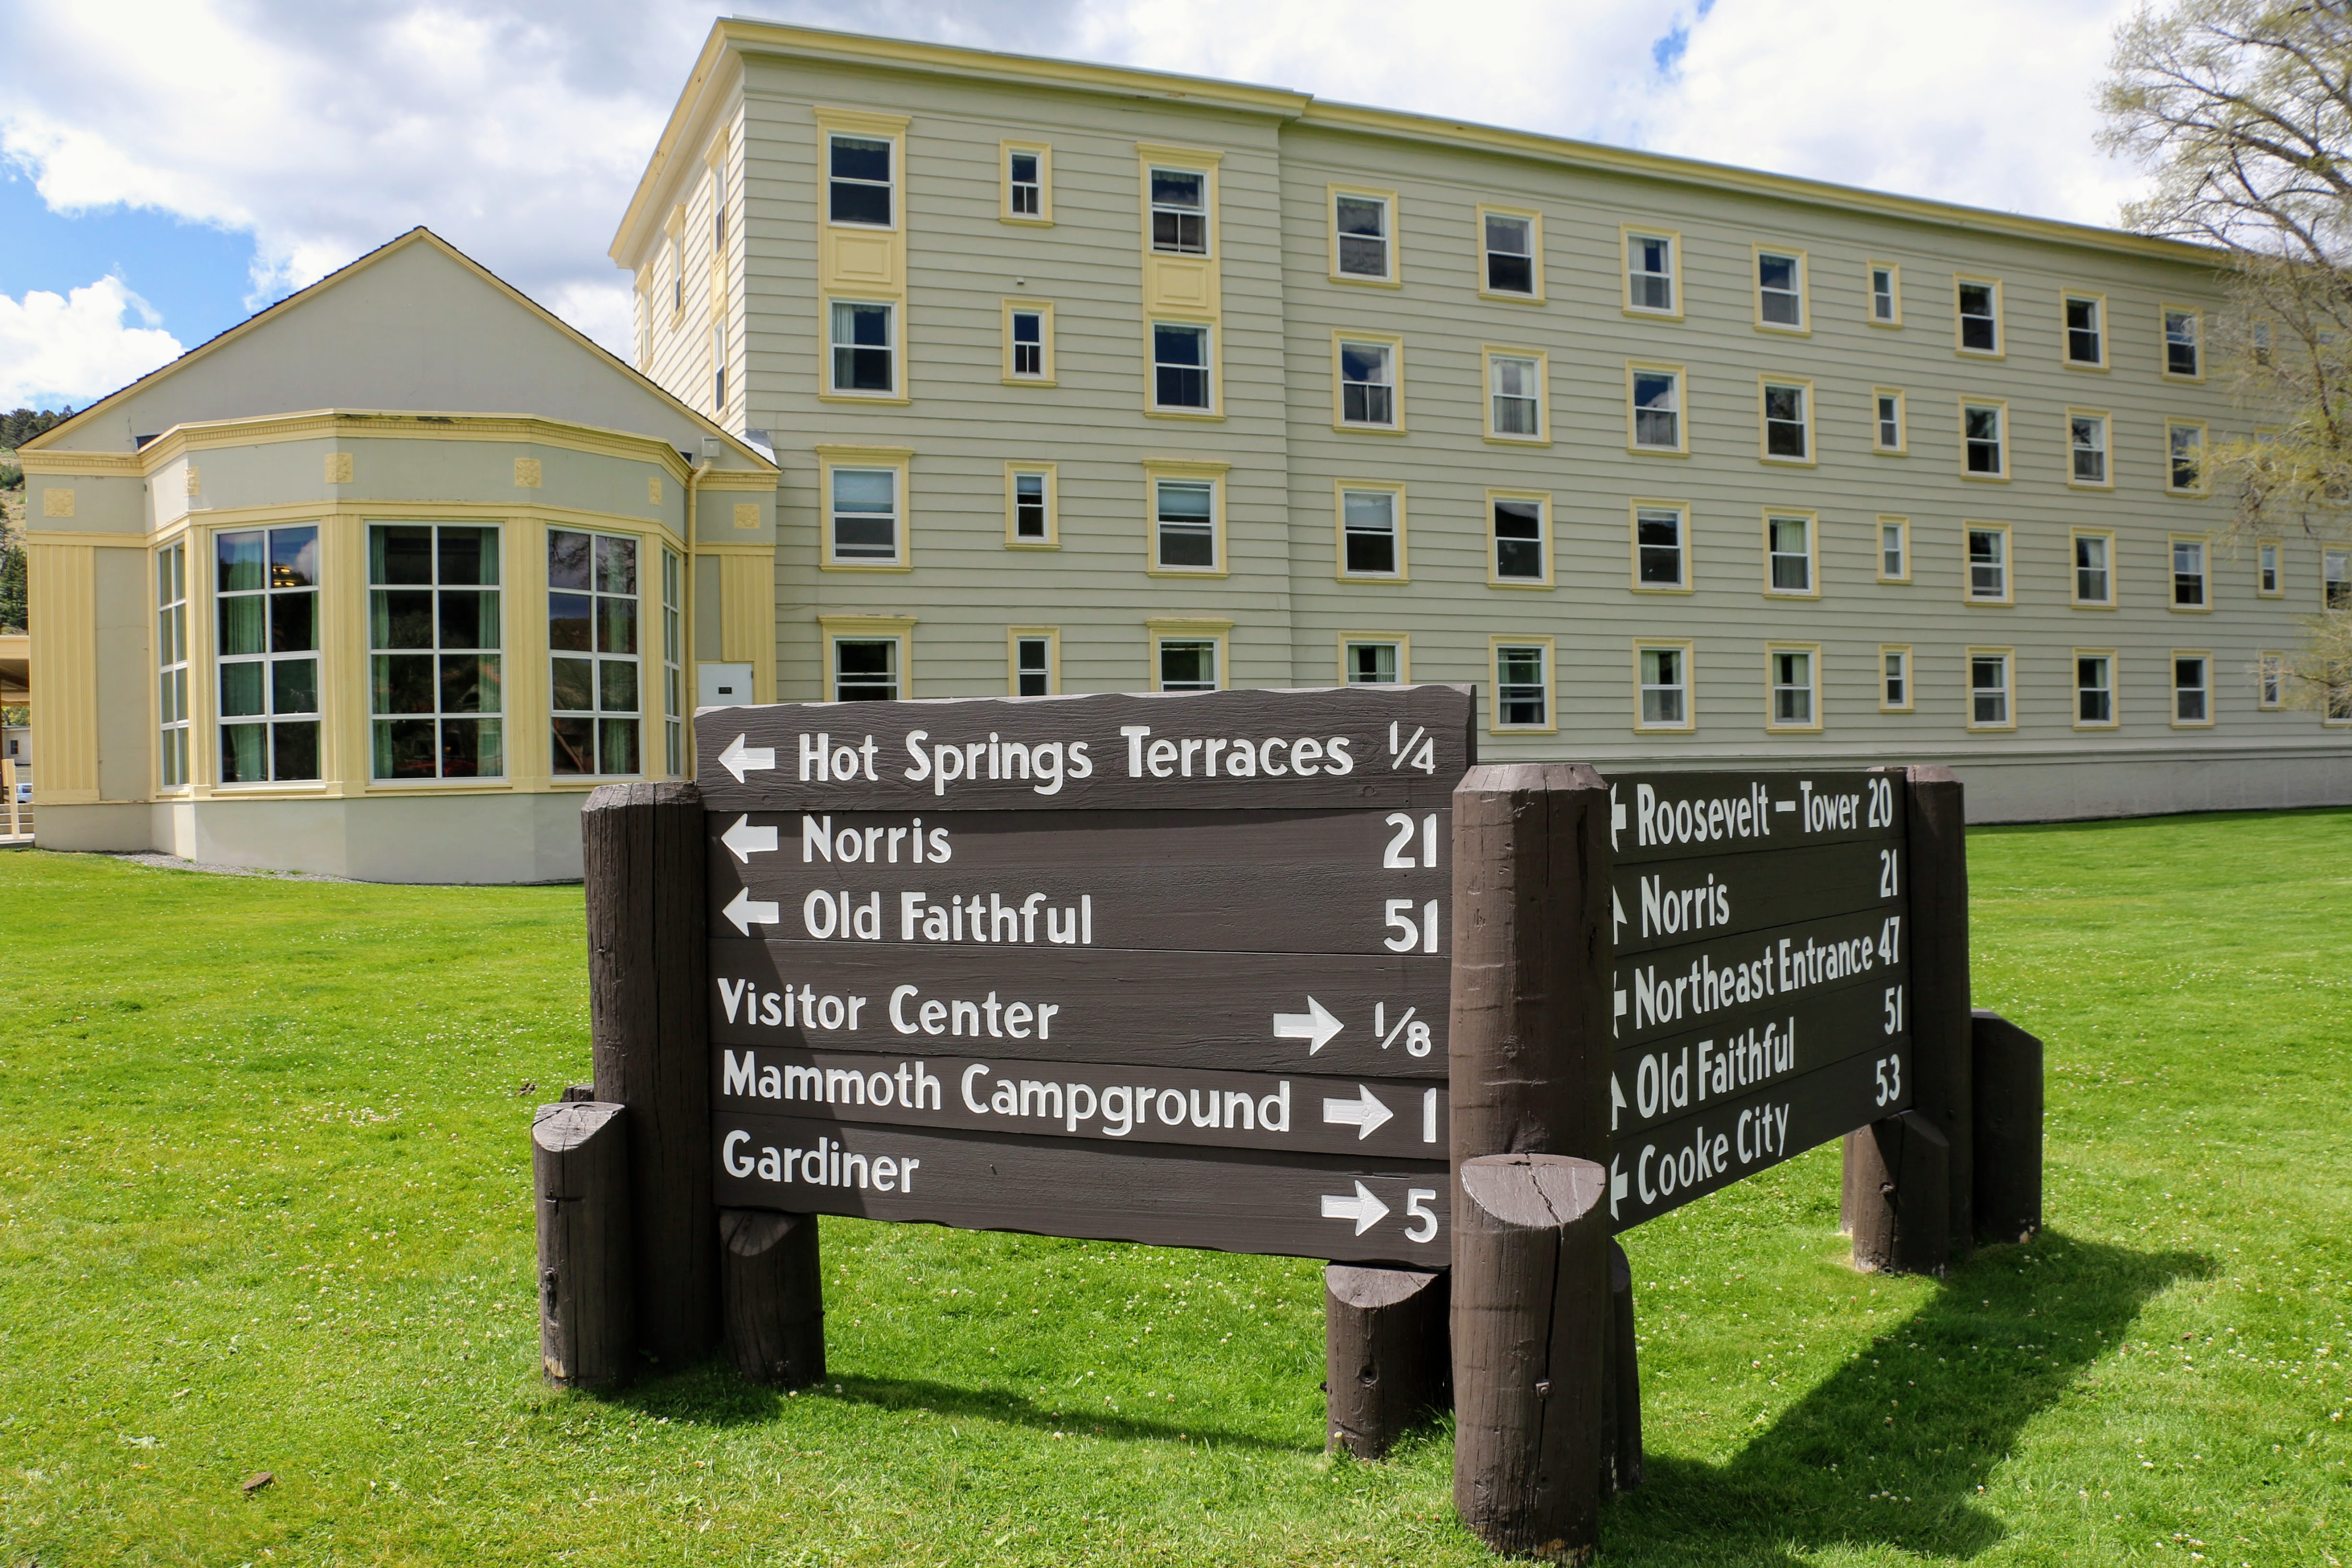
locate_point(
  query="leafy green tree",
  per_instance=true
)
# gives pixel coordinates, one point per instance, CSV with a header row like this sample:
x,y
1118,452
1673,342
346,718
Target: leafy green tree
x,y
2243,110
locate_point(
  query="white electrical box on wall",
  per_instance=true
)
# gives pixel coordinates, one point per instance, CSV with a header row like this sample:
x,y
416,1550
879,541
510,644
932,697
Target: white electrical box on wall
x,y
722,685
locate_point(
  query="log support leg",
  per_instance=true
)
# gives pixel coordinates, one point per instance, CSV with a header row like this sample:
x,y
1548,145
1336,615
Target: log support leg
x,y
1384,1353
1897,1195
1531,1313
1624,1388
772,1289
587,1290
2008,1111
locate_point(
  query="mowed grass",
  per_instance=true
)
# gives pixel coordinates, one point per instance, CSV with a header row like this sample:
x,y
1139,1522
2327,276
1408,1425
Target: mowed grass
x,y
264,1205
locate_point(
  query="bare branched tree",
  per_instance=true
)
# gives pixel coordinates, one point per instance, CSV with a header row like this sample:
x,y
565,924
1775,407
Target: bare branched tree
x,y
2244,110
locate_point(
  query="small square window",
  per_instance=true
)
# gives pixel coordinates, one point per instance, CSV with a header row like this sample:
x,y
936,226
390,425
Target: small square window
x,y
1187,664
2094,581
1650,273
2086,338
1657,399
1659,548
1781,290
1510,248
2191,689
1520,556
1359,226
1369,542
1522,686
1179,366
1989,690
1795,697
2185,459
1515,396
1789,554
1033,664
2183,335
2095,689
1368,390
1664,674
1180,212
865,669
859,187
1885,299
1185,525
1989,565
864,352
2269,581
1980,436
1886,421
1787,422
2086,443
1980,316
1894,550
1895,679
2189,574
1372,661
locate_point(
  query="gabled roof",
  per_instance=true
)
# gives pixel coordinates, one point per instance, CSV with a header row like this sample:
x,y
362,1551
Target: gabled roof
x,y
732,36
638,385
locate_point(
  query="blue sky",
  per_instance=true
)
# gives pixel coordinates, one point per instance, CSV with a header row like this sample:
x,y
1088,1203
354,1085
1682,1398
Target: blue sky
x,y
167,167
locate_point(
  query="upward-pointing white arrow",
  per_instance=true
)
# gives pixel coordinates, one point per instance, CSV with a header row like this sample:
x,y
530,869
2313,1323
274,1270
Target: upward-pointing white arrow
x,y
1616,817
1365,1110
1617,915
1366,1210
739,759
746,840
1616,1101
746,911
1316,1025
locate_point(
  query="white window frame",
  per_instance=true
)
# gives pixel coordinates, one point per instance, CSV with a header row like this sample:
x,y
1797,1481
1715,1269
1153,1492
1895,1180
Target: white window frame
x,y
1341,491
1492,358
1159,481
1542,502
1627,238
2271,672
1206,212
889,186
2203,690
436,650
2007,689
268,718
2269,569
1960,321
2098,418
1970,442
1534,292
1391,355
675,706
2336,579
599,715
2075,567
2173,430
2005,564
1683,688
2114,702
835,348
1207,337
892,632
2098,303
1386,201
1042,375
1400,645
2203,605
1811,556
1879,397
1795,295
1810,652
2194,338
175,729
1017,640
1638,513
1902,527
832,461
1047,476
1205,634
1635,370
1893,293
1009,208
1765,385
1895,670
1496,646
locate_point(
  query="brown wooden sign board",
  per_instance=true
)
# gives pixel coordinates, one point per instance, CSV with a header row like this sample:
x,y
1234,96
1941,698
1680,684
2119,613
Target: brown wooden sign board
x,y
1058,951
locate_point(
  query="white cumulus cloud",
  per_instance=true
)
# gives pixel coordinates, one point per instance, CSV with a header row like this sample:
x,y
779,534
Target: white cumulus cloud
x,y
57,349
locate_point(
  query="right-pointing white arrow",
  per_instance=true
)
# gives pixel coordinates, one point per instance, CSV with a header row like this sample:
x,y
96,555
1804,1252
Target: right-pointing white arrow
x,y
746,911
738,759
746,840
1366,1210
1365,1110
1316,1025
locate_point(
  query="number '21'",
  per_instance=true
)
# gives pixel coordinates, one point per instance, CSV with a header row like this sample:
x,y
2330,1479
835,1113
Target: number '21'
x,y
1887,888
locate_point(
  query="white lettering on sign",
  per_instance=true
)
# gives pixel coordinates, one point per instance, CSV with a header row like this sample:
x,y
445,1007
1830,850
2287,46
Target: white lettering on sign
x,y
1708,988
1700,821
871,846
1017,1019
802,1010
1044,766
1669,1081
911,1087
826,1165
1761,1134
1669,911
1234,757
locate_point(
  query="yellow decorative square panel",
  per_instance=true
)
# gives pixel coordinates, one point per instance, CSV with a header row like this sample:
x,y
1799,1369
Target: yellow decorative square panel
x,y
747,514
653,489
338,467
56,501
195,481
527,473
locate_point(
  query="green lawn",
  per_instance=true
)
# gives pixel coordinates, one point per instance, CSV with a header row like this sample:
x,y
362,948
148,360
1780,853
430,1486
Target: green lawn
x,y
264,1206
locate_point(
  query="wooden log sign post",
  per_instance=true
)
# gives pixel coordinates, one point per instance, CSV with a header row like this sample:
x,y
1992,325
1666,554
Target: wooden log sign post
x,y
1279,972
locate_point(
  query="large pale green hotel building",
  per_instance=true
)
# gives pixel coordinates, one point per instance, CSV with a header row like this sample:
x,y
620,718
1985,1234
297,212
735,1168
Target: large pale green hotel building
x,y
961,374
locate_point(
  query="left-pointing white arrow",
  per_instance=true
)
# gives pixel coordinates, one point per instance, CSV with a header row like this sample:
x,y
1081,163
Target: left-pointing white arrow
x,y
1365,1110
746,840
1616,1186
1316,1025
739,759
1366,1210
746,911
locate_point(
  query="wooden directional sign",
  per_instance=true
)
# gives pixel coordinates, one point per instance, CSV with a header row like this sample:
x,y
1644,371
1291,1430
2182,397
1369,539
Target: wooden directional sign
x,y
1158,968
1759,992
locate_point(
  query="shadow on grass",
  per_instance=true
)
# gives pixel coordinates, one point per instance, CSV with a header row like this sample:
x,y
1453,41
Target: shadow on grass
x,y
2000,1342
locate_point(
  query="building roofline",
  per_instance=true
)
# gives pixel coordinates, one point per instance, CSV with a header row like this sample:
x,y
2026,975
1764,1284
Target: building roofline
x,y
417,236
749,35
